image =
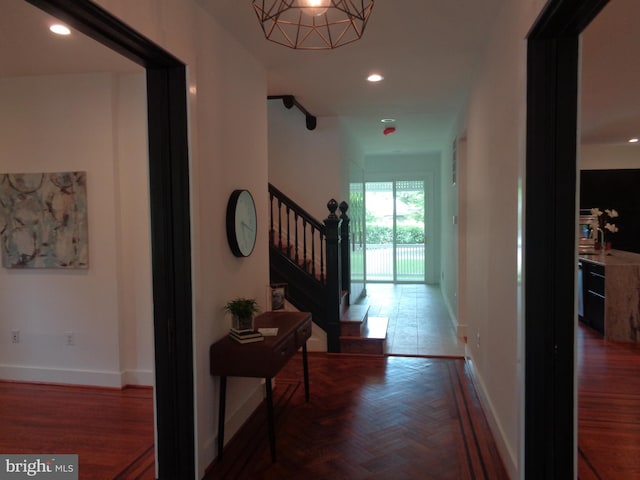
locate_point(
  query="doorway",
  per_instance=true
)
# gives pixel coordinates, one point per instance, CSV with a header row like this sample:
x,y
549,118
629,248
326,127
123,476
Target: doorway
x,y
170,226
395,231
550,270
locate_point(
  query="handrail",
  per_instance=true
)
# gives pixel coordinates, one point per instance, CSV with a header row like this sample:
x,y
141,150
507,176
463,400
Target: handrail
x,y
294,206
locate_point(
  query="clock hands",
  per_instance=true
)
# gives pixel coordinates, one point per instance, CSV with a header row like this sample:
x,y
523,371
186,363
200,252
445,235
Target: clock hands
x,y
248,227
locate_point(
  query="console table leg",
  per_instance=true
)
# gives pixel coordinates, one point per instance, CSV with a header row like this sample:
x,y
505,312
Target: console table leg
x,y
270,420
305,368
221,410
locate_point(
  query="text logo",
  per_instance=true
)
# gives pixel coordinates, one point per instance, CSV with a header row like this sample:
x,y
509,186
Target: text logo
x,y
49,467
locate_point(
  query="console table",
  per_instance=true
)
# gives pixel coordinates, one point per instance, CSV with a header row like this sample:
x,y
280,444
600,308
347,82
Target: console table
x,y
264,359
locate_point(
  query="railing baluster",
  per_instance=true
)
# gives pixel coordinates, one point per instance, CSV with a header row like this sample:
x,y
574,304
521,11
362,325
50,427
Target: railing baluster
x,y
280,224
304,244
323,275
271,242
313,251
288,244
296,231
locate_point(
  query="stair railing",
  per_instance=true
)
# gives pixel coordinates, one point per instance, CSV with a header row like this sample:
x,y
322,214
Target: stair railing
x,y
297,235
319,251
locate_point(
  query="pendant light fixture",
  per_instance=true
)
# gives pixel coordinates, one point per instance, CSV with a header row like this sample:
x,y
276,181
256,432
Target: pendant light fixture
x,y
313,24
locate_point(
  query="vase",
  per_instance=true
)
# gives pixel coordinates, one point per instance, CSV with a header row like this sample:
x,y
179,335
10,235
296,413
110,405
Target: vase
x,y
242,323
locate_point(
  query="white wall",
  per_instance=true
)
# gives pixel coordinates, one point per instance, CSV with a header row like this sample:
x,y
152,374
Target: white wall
x,y
306,165
134,235
495,126
228,150
68,123
449,230
597,157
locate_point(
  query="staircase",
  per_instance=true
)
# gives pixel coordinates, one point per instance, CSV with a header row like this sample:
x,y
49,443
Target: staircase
x,y
313,259
360,333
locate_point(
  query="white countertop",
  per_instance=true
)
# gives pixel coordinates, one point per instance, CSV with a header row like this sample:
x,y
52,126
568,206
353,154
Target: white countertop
x,y
611,257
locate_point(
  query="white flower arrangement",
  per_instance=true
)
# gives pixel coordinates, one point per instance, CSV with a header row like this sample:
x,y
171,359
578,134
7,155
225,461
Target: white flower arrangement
x,y
603,222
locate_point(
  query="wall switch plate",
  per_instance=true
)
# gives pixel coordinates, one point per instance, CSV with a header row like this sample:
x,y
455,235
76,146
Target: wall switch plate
x,y
15,336
71,338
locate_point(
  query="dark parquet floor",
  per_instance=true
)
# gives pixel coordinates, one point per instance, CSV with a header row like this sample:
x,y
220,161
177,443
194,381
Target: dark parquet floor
x,y
369,418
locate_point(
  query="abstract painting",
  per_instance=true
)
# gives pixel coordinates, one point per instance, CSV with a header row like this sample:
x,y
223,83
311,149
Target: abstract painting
x,y
43,220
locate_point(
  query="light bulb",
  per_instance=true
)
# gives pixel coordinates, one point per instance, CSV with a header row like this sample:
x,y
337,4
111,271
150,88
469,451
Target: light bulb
x,y
314,8
59,29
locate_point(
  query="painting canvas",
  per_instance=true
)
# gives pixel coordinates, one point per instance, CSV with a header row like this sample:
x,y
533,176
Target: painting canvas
x,y
43,220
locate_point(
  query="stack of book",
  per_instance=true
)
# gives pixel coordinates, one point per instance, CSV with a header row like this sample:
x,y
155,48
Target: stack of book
x,y
245,336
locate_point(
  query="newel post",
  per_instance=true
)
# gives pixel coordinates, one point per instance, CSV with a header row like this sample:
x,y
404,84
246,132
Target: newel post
x,y
334,276
345,251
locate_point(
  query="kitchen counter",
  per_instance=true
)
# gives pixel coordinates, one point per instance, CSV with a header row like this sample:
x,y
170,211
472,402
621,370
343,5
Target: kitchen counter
x,y
622,293
611,257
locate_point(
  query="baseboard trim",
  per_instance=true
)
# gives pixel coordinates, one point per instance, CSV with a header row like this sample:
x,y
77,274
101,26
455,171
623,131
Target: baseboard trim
x,y
138,378
96,378
507,455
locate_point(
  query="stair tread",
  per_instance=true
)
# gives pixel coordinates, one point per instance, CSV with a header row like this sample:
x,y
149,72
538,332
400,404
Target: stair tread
x,y
376,330
354,313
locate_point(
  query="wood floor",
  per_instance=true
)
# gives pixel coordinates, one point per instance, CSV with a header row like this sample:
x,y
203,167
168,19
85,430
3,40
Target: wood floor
x,y
419,321
369,418
111,430
608,408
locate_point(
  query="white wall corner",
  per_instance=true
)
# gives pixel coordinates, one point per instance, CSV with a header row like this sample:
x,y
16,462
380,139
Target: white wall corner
x,y
318,340
138,377
461,330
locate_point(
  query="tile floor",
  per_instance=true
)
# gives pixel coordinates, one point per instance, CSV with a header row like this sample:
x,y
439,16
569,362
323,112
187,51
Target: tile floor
x,y
419,322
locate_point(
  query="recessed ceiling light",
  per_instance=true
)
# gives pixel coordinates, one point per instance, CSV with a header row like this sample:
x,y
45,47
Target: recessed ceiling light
x,y
633,140
60,29
375,77
388,120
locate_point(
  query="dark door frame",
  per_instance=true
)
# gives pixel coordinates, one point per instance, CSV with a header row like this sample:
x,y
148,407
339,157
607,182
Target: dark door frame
x,y
550,253
170,226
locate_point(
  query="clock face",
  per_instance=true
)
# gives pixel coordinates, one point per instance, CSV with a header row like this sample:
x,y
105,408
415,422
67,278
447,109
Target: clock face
x,y
241,223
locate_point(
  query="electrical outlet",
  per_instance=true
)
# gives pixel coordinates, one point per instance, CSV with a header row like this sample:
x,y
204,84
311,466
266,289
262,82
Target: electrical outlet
x,y
71,338
15,336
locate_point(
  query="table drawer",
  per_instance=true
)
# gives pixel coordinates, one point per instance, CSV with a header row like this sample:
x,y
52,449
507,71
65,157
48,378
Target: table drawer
x,y
303,333
282,353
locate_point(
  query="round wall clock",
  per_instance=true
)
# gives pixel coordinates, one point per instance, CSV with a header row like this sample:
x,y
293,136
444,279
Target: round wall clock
x,y
241,223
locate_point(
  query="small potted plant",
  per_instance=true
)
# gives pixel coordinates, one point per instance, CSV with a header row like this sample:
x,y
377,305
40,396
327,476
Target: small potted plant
x,y
242,311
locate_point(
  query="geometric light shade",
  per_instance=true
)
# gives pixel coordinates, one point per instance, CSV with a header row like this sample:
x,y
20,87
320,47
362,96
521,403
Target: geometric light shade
x,y
313,24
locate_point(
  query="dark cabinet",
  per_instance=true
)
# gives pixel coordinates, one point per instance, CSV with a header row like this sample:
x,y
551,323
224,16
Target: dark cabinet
x,y
593,295
616,189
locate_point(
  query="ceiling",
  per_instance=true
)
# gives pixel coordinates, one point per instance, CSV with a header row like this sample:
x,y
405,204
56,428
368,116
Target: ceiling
x,y
427,50
610,80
